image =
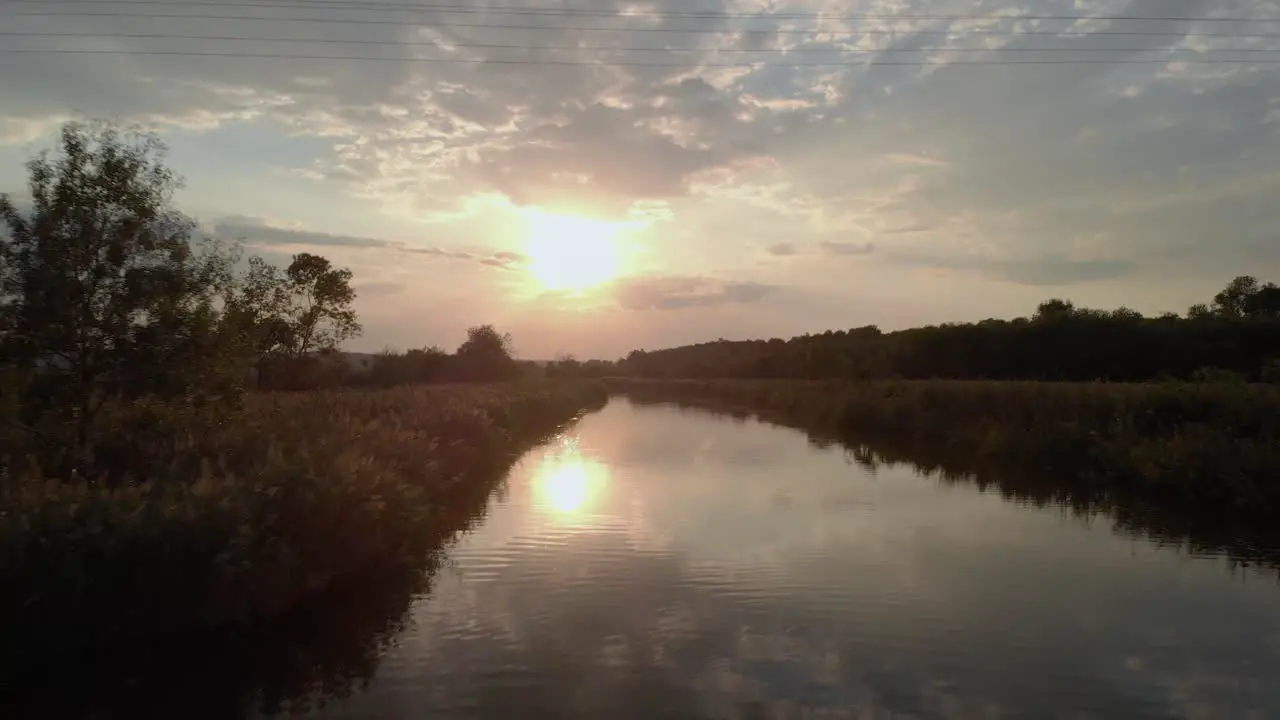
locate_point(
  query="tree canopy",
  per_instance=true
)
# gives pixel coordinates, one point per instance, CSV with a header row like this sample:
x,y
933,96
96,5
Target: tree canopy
x,y
105,289
1238,333
108,292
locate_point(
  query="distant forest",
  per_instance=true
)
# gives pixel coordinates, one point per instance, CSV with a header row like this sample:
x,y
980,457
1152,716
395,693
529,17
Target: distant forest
x,y
1235,337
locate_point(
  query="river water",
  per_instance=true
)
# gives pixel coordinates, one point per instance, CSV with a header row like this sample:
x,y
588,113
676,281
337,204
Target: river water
x,y
661,562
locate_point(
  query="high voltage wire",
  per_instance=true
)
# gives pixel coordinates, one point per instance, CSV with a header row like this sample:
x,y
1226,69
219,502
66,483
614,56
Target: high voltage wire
x,y
464,61
510,46
348,5
598,28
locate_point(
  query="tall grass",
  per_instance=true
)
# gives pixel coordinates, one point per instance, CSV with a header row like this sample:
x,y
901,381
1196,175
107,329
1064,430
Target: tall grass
x,y
1212,447
198,519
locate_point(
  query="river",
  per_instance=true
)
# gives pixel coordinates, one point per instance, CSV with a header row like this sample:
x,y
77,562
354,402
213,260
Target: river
x,y
658,562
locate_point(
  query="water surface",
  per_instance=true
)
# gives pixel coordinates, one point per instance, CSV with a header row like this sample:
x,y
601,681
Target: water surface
x,y
660,562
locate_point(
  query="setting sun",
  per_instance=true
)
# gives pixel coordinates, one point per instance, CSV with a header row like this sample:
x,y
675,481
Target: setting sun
x,y
571,253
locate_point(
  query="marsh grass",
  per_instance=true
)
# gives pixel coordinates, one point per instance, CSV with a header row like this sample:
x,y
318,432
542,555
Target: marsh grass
x,y
1215,447
187,520
1191,467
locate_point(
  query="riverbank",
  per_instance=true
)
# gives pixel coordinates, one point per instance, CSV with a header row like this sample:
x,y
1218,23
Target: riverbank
x,y
1213,447
237,517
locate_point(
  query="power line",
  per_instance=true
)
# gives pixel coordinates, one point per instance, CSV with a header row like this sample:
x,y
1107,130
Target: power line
x,y
510,46
709,31
447,8
463,61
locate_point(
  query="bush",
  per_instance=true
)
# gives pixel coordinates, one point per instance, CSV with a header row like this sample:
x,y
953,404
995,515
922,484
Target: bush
x,y
216,519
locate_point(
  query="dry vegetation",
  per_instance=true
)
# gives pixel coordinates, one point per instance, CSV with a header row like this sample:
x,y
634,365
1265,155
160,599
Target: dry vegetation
x,y
1212,446
233,515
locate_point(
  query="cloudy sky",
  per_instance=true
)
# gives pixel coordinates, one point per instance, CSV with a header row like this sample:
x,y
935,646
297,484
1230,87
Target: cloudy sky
x,y
643,174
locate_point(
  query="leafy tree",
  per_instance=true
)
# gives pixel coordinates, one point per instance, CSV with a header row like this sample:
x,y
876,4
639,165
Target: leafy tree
x,y
1054,310
105,289
485,355
1059,342
1265,303
1199,311
319,309
1234,299
419,365
286,315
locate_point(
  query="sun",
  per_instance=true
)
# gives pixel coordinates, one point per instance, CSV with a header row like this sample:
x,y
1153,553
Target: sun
x,y
571,253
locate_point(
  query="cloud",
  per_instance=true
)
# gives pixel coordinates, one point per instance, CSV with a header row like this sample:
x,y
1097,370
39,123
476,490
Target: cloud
x,y
916,160
268,236
825,247
368,289
1061,272
506,260
780,139
673,292
846,248
907,229
1040,271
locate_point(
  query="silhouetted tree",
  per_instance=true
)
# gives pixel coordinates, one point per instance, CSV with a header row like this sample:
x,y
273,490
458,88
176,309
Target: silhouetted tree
x,y
1199,311
1059,342
1234,299
1265,303
1054,310
291,317
419,365
105,289
485,355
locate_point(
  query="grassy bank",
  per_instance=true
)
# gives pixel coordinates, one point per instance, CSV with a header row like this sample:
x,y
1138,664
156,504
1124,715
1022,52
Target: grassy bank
x,y
1212,447
235,517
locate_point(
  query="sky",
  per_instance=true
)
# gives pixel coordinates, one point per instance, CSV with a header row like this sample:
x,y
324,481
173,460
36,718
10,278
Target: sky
x,y
621,175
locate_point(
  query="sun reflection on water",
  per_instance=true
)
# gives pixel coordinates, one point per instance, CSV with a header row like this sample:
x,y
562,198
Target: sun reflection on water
x,y
566,482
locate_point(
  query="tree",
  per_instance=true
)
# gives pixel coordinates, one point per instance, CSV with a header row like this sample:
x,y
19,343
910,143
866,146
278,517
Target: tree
x,y
485,355
1199,311
1055,309
1234,299
1265,303
105,289
287,315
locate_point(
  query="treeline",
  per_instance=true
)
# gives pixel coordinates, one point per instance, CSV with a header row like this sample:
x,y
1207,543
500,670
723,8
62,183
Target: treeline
x,y
1236,337
485,356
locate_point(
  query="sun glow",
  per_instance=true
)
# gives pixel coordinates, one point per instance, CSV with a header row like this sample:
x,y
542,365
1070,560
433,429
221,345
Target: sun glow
x,y
566,482
571,253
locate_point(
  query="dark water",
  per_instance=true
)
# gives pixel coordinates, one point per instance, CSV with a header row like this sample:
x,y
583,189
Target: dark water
x,y
657,562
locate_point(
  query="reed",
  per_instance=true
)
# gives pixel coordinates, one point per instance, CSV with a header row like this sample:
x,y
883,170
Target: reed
x,y
191,519
1215,447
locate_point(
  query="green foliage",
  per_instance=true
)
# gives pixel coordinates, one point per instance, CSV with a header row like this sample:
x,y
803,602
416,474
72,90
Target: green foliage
x,y
484,356
1215,447
1241,334
140,491
234,517
105,290
288,317
1244,297
416,366
568,366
